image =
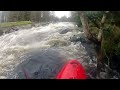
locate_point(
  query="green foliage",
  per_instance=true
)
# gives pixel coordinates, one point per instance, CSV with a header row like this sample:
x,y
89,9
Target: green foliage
x,y
35,16
94,17
116,17
10,24
111,30
94,31
77,20
112,40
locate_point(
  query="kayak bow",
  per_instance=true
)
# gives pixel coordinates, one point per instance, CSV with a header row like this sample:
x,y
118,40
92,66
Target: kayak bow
x,y
72,70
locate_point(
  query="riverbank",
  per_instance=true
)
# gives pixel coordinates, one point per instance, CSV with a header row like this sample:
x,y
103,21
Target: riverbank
x,y
9,27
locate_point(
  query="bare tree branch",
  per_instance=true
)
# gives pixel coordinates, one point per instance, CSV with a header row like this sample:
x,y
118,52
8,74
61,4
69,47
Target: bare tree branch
x,y
100,34
86,28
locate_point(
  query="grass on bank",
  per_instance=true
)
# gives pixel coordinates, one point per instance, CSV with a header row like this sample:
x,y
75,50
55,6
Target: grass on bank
x,y
11,24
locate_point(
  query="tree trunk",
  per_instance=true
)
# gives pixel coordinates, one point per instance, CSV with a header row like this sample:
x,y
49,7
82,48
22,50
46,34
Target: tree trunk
x,y
99,51
86,30
98,41
99,55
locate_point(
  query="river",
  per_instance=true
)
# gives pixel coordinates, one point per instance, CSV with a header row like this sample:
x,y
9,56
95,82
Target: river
x,y
42,51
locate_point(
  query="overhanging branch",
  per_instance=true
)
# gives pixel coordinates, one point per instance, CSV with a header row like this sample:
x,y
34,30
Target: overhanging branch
x,y
86,28
102,25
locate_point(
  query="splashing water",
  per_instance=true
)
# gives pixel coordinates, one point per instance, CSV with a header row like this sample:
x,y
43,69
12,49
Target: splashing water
x,y
41,51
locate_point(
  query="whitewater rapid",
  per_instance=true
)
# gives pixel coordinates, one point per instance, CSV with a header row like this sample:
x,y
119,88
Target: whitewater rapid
x,y
39,51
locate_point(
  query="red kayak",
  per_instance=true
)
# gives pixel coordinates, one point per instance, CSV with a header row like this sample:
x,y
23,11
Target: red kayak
x,y
72,70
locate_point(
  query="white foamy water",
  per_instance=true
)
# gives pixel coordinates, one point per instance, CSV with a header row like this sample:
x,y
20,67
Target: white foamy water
x,y
36,47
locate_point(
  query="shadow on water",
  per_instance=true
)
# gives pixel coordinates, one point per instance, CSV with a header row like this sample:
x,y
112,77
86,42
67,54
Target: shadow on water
x,y
87,44
40,64
90,51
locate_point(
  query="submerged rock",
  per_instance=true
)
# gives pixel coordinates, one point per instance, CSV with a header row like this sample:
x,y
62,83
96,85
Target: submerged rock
x,y
42,51
58,43
64,31
4,30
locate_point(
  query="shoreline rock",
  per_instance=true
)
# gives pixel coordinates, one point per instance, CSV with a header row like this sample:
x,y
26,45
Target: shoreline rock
x,y
4,30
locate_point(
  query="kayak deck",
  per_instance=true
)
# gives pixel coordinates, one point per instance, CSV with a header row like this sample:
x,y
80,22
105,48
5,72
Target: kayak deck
x,y
72,70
